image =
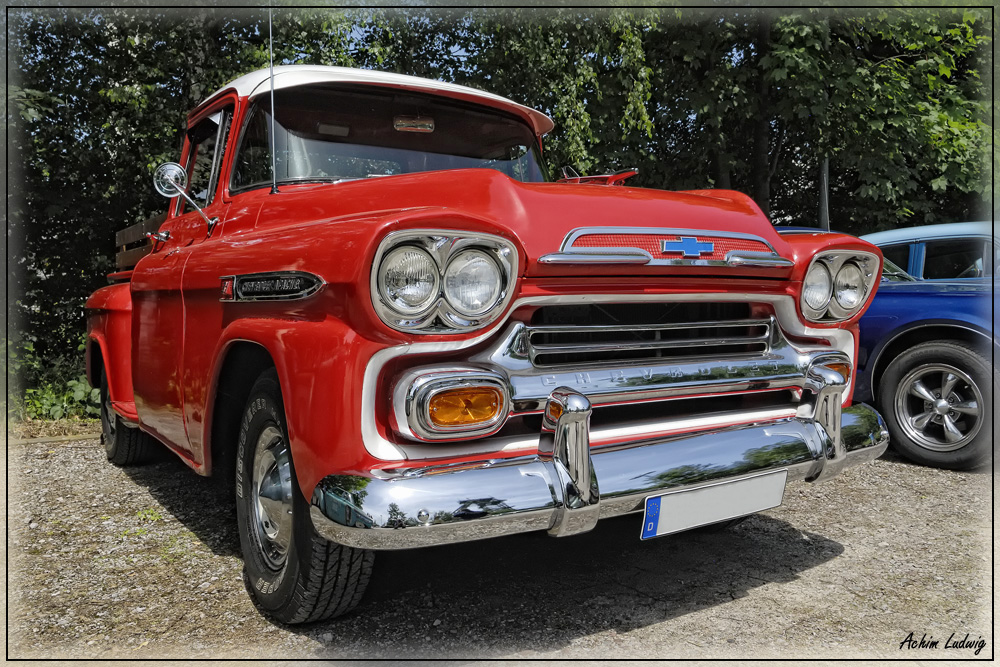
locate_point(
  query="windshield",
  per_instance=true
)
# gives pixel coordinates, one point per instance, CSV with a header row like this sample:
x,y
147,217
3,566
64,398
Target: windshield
x,y
327,134
893,273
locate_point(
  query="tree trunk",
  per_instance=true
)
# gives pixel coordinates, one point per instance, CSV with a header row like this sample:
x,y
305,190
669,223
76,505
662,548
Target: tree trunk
x,y
761,167
720,159
824,193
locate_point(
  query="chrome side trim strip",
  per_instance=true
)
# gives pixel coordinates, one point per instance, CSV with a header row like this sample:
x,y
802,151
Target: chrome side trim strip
x,y
600,257
757,259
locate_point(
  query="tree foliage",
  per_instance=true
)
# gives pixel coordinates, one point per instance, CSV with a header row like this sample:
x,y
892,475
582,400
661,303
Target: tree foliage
x,y
738,98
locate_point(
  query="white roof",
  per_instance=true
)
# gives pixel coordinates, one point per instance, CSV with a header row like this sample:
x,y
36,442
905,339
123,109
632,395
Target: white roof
x,y
288,76
946,230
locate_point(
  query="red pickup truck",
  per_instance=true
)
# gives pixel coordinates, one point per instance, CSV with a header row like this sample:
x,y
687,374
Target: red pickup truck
x,y
372,314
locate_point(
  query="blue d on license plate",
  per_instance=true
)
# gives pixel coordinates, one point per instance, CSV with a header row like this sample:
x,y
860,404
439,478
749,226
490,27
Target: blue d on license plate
x,y
675,511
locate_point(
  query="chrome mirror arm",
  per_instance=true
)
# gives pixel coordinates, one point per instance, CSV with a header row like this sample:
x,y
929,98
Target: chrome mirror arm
x,y
170,180
211,223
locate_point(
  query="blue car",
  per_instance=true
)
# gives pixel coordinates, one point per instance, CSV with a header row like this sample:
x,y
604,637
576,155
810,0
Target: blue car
x,y
926,363
952,251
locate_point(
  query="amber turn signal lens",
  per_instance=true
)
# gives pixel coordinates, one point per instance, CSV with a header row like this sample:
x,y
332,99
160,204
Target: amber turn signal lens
x,y
465,407
843,369
554,411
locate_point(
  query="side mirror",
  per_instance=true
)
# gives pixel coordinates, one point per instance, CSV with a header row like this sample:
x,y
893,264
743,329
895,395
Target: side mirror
x,y
170,180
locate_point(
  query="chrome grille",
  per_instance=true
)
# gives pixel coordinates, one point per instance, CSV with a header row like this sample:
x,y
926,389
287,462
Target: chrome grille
x,y
617,332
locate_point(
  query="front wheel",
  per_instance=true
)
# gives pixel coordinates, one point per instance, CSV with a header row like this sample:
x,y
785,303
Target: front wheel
x,y
291,572
937,400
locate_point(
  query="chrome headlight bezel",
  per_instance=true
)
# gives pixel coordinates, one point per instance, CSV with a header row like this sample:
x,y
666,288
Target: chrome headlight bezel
x,y
441,317
834,261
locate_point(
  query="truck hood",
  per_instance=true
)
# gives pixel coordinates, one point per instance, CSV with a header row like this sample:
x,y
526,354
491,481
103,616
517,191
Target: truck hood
x,y
554,223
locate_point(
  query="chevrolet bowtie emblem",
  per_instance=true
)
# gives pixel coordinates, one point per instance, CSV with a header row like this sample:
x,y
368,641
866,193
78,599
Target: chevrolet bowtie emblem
x,y
688,246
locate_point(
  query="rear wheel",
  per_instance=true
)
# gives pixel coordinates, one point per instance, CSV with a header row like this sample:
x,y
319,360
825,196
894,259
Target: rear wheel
x,y
937,400
291,572
124,445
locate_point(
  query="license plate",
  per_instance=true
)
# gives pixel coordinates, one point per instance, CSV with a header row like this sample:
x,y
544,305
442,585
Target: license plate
x,y
674,511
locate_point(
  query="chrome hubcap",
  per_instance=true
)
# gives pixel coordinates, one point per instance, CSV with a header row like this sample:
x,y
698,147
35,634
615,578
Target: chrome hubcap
x,y
939,407
272,484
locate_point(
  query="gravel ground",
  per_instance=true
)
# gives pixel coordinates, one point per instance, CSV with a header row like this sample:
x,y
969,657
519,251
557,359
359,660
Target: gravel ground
x,y
144,563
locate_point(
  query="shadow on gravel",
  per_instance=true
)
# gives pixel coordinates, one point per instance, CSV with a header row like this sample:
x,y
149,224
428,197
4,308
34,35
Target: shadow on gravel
x,y
526,592
892,455
536,593
193,500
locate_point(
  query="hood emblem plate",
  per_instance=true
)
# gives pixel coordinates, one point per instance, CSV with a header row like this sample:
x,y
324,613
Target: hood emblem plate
x,y
688,246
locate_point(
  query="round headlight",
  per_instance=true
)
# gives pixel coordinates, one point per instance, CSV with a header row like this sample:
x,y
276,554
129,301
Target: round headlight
x,y
408,280
849,286
817,287
472,283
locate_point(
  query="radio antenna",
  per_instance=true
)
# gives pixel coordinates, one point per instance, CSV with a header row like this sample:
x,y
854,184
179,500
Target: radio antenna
x,y
270,55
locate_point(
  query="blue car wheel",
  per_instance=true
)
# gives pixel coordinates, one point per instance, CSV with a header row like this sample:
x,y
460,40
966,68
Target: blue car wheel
x,y
937,400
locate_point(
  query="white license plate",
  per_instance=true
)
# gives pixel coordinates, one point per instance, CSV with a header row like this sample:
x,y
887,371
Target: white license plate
x,y
674,511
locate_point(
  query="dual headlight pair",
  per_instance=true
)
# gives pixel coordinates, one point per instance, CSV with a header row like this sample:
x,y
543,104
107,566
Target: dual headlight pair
x,y
836,284
434,281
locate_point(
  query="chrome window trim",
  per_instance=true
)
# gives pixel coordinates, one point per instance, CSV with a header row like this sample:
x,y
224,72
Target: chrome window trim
x,y
785,312
442,244
220,150
223,125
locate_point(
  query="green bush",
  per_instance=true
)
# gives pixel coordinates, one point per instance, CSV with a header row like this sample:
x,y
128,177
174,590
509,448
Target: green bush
x,y
48,388
75,398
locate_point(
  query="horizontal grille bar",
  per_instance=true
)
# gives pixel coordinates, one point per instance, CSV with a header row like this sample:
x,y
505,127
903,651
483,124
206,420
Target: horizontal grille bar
x,y
559,345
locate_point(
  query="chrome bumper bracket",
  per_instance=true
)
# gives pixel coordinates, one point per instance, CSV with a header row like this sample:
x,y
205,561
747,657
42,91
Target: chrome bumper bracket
x,y
565,446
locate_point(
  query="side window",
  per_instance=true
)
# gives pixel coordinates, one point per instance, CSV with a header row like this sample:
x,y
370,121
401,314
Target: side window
x,y
253,157
898,255
954,258
208,141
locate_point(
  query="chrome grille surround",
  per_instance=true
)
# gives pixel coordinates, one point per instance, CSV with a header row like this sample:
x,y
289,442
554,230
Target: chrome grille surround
x,y
784,365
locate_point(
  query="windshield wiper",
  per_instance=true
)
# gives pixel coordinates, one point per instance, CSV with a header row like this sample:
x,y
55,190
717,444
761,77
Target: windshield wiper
x,y
328,179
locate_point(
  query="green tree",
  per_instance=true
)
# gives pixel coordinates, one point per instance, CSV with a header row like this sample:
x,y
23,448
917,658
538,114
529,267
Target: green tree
x,y
737,98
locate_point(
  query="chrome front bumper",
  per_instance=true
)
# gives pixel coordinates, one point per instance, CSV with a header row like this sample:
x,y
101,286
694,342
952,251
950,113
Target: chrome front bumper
x,y
568,485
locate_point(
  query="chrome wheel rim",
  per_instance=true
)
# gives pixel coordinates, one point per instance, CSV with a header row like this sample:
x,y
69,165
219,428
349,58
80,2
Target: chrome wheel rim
x,y
939,407
272,506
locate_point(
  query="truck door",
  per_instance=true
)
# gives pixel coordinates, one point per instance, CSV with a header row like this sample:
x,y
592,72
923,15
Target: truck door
x,y
158,311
